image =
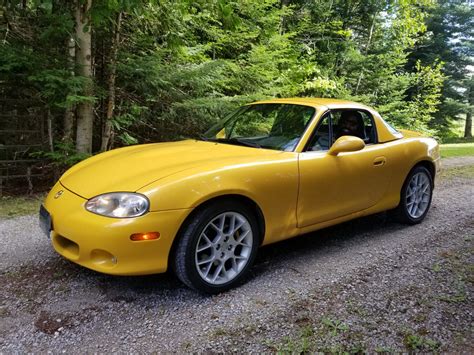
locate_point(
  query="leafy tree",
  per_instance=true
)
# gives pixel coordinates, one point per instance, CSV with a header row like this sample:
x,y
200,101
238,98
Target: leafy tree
x,y
449,39
118,72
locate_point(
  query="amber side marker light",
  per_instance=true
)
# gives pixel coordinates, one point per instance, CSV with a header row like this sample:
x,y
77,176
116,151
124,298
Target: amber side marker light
x,y
137,237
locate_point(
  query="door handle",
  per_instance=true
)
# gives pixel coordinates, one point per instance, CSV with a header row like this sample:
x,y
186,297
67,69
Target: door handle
x,y
379,161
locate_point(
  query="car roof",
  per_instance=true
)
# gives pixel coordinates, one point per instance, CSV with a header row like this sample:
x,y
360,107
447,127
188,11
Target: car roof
x,y
316,102
385,134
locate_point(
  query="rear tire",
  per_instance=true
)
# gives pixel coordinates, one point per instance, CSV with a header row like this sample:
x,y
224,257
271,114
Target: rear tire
x,y
217,247
415,196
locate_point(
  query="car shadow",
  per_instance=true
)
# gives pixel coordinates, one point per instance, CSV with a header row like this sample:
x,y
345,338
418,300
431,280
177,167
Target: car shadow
x,y
341,235
139,289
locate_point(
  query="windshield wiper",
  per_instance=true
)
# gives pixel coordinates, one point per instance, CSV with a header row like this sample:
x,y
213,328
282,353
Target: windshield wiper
x,y
239,141
202,137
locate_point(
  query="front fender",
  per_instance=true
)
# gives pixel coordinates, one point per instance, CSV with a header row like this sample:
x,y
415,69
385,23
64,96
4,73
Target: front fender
x,y
272,183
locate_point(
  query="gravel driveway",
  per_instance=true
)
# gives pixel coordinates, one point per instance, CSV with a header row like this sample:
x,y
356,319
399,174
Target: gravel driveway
x,y
366,285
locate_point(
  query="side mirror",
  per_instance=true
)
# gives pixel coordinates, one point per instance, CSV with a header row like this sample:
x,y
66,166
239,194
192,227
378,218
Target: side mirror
x,y
346,144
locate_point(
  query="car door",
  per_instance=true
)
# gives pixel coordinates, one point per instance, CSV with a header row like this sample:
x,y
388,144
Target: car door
x,y
334,186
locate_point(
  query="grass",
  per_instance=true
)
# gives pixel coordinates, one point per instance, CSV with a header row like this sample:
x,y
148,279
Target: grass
x,y
460,171
456,149
313,338
19,206
302,344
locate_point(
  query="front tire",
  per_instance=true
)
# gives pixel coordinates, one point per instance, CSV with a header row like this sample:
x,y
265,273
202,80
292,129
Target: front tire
x,y
415,197
217,247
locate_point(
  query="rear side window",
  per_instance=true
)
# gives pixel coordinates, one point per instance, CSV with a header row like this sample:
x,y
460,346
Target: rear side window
x,y
338,123
390,128
357,123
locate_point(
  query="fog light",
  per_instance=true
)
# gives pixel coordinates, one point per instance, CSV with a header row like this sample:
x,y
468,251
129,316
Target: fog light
x,y
144,236
103,258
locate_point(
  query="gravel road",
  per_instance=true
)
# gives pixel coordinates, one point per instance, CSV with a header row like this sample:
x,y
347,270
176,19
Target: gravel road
x,y
366,285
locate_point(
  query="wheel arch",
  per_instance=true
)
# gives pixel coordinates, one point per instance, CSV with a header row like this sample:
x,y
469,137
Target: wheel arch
x,y
429,165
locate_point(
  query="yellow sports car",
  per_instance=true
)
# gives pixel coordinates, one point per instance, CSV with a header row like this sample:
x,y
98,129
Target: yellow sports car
x,y
270,171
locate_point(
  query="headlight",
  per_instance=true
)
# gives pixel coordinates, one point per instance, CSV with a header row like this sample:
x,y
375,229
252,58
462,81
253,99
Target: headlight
x,y
118,204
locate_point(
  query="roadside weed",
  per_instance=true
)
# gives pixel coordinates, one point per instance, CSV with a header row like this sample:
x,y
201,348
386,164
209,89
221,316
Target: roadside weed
x,y
335,326
416,342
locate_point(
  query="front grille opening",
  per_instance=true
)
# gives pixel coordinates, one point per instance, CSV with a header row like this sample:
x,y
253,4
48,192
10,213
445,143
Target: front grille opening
x,y
68,246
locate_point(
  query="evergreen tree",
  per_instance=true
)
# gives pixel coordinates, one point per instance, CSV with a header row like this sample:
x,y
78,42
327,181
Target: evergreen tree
x,y
125,71
449,39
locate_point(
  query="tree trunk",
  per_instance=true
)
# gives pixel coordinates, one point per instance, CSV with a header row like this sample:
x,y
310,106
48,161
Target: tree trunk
x,y
366,51
282,26
85,110
468,127
69,113
49,122
470,101
112,74
6,21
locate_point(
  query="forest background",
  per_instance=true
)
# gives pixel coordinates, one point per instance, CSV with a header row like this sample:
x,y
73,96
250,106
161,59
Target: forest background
x,y
110,73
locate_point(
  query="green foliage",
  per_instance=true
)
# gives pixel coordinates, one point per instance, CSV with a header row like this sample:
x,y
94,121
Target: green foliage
x,y
182,65
448,39
425,92
418,343
127,139
58,88
334,326
63,156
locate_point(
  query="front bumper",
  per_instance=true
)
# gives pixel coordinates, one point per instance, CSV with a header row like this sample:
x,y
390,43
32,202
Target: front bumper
x,y
103,243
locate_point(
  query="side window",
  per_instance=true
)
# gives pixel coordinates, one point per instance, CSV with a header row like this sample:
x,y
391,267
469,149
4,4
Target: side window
x,y
321,139
369,127
356,123
338,123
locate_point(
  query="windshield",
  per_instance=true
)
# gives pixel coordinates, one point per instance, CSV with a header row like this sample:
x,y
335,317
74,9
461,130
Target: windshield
x,y
272,126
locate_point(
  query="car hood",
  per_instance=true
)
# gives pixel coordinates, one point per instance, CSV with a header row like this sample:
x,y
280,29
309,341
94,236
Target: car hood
x,y
132,168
